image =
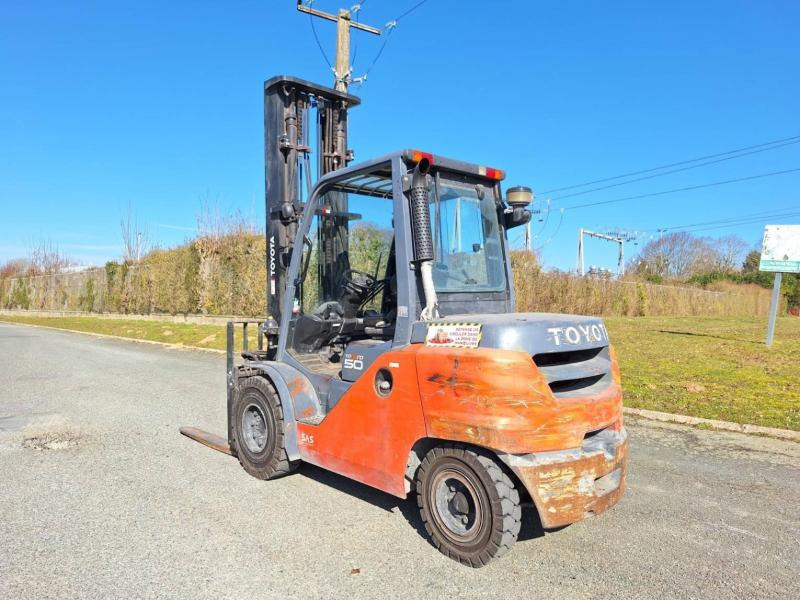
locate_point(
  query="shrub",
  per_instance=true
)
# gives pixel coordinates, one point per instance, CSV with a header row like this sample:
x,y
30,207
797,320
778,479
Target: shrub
x,y
86,299
20,294
226,275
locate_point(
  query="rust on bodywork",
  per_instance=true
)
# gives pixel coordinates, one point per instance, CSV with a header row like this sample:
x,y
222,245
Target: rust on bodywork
x,y
304,396
568,489
499,399
299,385
569,452
493,398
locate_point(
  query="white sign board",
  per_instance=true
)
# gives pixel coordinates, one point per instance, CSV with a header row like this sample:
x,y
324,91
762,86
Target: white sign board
x,y
781,252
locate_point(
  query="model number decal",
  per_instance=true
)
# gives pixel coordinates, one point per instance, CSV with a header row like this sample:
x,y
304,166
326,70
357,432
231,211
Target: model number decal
x,y
306,439
354,361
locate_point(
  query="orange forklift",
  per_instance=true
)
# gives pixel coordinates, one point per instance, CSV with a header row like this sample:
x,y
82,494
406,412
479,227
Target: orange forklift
x,y
392,353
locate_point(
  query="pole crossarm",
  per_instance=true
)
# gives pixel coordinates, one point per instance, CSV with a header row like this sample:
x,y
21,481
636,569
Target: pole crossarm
x,y
335,18
343,24
602,236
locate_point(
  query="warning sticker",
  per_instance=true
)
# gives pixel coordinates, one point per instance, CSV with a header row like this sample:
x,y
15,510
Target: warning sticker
x,y
453,335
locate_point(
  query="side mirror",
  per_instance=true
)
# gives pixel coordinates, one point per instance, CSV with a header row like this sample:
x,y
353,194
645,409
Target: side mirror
x,y
518,199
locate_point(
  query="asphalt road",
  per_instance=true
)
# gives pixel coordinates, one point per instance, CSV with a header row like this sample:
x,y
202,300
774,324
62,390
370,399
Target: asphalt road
x,y
100,497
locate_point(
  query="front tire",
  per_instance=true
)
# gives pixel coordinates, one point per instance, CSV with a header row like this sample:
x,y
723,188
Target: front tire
x,y
258,429
469,504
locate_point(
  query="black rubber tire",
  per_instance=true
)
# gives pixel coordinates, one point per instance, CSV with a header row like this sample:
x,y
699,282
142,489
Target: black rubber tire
x,y
272,461
497,492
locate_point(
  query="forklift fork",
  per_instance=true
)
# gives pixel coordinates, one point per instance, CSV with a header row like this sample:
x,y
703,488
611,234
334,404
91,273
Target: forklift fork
x,y
206,438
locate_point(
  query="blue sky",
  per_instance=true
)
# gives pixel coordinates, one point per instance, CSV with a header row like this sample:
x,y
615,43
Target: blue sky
x,y
158,105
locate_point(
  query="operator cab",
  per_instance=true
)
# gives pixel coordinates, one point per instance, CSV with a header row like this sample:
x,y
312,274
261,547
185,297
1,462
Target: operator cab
x,y
346,290
357,283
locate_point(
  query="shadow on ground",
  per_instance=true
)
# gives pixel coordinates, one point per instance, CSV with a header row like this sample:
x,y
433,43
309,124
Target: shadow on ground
x,y
709,335
531,526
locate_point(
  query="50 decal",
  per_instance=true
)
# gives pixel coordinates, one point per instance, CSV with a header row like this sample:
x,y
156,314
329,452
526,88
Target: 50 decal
x,y
354,361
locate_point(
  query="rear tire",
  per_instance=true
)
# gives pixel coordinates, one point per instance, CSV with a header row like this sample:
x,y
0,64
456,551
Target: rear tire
x,y
258,429
469,504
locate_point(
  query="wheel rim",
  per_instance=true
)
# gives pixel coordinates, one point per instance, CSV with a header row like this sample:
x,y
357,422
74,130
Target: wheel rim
x,y
254,428
458,507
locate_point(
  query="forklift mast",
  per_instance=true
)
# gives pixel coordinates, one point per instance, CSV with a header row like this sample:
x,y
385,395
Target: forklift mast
x,y
288,107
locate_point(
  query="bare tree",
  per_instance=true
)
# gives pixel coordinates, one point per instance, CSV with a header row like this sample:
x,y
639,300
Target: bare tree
x,y
15,267
730,251
135,238
46,259
681,255
213,225
678,254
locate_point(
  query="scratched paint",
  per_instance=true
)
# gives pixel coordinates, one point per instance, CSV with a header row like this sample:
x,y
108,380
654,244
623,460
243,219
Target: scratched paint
x,y
568,492
488,397
368,437
498,399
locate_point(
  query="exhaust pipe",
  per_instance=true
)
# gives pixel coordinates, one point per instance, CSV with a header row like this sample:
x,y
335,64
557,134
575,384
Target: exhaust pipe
x,y
422,238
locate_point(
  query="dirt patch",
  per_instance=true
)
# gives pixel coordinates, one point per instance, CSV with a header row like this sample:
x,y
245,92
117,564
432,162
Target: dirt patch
x,y
52,434
51,441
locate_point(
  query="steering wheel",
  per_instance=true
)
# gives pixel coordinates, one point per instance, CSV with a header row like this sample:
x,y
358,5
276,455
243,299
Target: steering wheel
x,y
362,287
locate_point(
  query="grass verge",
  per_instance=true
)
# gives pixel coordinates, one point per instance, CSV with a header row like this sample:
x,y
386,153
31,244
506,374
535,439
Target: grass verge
x,y
709,367
184,334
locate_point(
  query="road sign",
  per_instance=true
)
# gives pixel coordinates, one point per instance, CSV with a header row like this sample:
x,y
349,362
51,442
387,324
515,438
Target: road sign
x,y
780,254
781,250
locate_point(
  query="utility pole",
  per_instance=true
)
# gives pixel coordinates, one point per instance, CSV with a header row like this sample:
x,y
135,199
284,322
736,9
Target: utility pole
x,y
343,20
609,238
528,236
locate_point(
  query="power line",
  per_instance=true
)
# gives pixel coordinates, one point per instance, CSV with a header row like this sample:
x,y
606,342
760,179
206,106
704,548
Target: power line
x,y
558,228
697,166
316,37
683,189
676,164
747,219
354,10
546,220
363,78
737,222
766,214
764,220
410,10
389,28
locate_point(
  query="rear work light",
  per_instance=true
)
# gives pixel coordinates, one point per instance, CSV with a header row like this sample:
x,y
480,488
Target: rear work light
x,y
491,173
418,155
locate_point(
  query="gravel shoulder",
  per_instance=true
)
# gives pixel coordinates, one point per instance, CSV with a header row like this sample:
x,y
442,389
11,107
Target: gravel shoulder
x,y
102,497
